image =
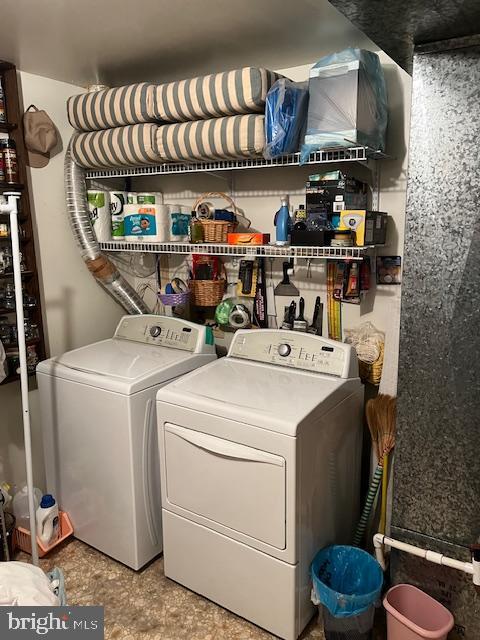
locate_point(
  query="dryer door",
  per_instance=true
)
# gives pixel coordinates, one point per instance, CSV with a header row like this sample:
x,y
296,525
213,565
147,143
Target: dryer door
x,y
234,485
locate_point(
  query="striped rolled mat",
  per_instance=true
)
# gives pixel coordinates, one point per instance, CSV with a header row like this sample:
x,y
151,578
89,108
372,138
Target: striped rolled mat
x,y
128,146
109,108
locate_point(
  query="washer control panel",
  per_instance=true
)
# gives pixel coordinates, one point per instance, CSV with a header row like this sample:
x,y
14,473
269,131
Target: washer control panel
x,y
298,350
165,332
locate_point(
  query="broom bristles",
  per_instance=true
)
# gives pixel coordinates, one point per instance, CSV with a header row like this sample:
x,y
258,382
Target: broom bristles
x,y
381,418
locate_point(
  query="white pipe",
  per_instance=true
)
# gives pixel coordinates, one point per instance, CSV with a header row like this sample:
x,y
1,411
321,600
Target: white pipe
x,y
471,568
12,209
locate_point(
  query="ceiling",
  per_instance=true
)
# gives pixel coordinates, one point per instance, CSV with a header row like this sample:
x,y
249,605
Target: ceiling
x,y
397,26
115,42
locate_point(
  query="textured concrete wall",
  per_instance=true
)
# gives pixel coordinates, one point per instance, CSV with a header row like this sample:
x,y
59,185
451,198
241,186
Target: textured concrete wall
x,y
437,472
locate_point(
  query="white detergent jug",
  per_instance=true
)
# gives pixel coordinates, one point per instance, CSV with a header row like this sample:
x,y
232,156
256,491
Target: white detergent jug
x,y
48,523
20,506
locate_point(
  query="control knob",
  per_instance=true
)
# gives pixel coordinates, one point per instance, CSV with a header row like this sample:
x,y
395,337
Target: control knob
x,y
284,350
155,331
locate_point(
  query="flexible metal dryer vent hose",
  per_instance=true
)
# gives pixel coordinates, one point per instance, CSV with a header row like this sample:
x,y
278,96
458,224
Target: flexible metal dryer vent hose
x,y
104,271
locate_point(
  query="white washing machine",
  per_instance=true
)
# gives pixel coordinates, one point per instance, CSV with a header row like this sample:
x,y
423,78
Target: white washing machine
x,y
99,430
260,468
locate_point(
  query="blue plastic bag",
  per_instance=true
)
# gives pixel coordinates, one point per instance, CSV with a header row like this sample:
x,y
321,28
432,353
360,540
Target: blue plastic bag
x,y
285,117
347,580
347,103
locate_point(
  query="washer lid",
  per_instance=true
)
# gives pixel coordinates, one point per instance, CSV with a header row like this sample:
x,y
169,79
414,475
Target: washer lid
x,y
119,365
268,396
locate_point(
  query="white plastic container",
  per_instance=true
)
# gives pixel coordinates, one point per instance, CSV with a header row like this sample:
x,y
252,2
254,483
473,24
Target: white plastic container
x,y
20,506
48,523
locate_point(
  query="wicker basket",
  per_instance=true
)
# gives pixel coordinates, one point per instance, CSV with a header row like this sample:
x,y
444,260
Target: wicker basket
x,y
217,230
207,293
372,371
174,299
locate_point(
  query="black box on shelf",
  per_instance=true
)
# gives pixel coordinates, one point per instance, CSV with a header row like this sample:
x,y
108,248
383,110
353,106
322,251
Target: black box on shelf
x,y
329,197
305,238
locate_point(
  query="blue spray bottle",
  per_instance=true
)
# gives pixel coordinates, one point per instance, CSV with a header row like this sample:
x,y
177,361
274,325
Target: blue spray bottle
x,y
282,223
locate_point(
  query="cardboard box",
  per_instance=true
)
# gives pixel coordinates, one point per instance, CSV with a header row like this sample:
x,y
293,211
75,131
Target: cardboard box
x,y
370,227
248,238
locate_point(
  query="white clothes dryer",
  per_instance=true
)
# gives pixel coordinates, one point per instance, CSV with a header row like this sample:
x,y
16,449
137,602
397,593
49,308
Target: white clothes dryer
x,y
99,430
260,468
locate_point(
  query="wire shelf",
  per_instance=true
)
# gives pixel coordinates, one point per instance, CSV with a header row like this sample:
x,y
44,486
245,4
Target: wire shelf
x,y
268,251
353,154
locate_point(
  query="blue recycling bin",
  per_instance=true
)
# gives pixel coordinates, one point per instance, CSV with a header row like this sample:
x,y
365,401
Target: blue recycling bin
x,y
347,581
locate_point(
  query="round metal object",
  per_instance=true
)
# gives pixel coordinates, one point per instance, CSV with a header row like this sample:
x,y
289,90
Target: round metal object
x,y
284,350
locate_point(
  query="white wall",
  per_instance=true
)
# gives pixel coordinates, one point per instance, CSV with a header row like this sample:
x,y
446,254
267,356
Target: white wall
x,y
258,194
76,310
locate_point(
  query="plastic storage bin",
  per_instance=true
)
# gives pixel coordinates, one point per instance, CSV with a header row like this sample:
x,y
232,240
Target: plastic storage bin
x,y
23,537
347,581
347,102
414,615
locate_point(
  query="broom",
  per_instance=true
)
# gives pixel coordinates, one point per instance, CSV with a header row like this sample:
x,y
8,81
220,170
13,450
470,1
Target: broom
x,y
386,444
381,417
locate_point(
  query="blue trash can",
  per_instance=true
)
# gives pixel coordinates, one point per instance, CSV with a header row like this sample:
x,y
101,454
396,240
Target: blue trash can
x,y
347,581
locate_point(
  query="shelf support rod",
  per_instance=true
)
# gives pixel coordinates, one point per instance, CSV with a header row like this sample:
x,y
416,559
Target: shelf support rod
x,y
12,209
376,187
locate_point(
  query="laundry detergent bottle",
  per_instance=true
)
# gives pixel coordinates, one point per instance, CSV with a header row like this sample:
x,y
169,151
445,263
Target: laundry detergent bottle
x,y
48,524
282,223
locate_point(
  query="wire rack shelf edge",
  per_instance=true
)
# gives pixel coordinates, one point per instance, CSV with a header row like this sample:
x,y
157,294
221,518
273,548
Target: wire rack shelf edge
x,y
268,251
326,156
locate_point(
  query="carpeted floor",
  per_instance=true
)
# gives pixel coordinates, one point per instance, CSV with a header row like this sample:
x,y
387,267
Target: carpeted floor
x,y
146,605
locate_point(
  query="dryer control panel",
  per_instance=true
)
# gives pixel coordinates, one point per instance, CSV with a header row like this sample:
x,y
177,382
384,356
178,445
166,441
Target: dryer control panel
x,y
166,332
298,350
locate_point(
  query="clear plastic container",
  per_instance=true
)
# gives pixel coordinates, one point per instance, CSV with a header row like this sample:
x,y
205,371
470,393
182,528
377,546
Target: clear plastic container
x,y
20,506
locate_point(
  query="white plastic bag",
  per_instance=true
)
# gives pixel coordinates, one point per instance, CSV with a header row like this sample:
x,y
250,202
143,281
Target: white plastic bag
x,y
369,344
22,584
367,340
285,117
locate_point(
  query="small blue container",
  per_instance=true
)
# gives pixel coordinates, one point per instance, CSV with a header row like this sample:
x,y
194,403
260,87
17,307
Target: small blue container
x,y
346,580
